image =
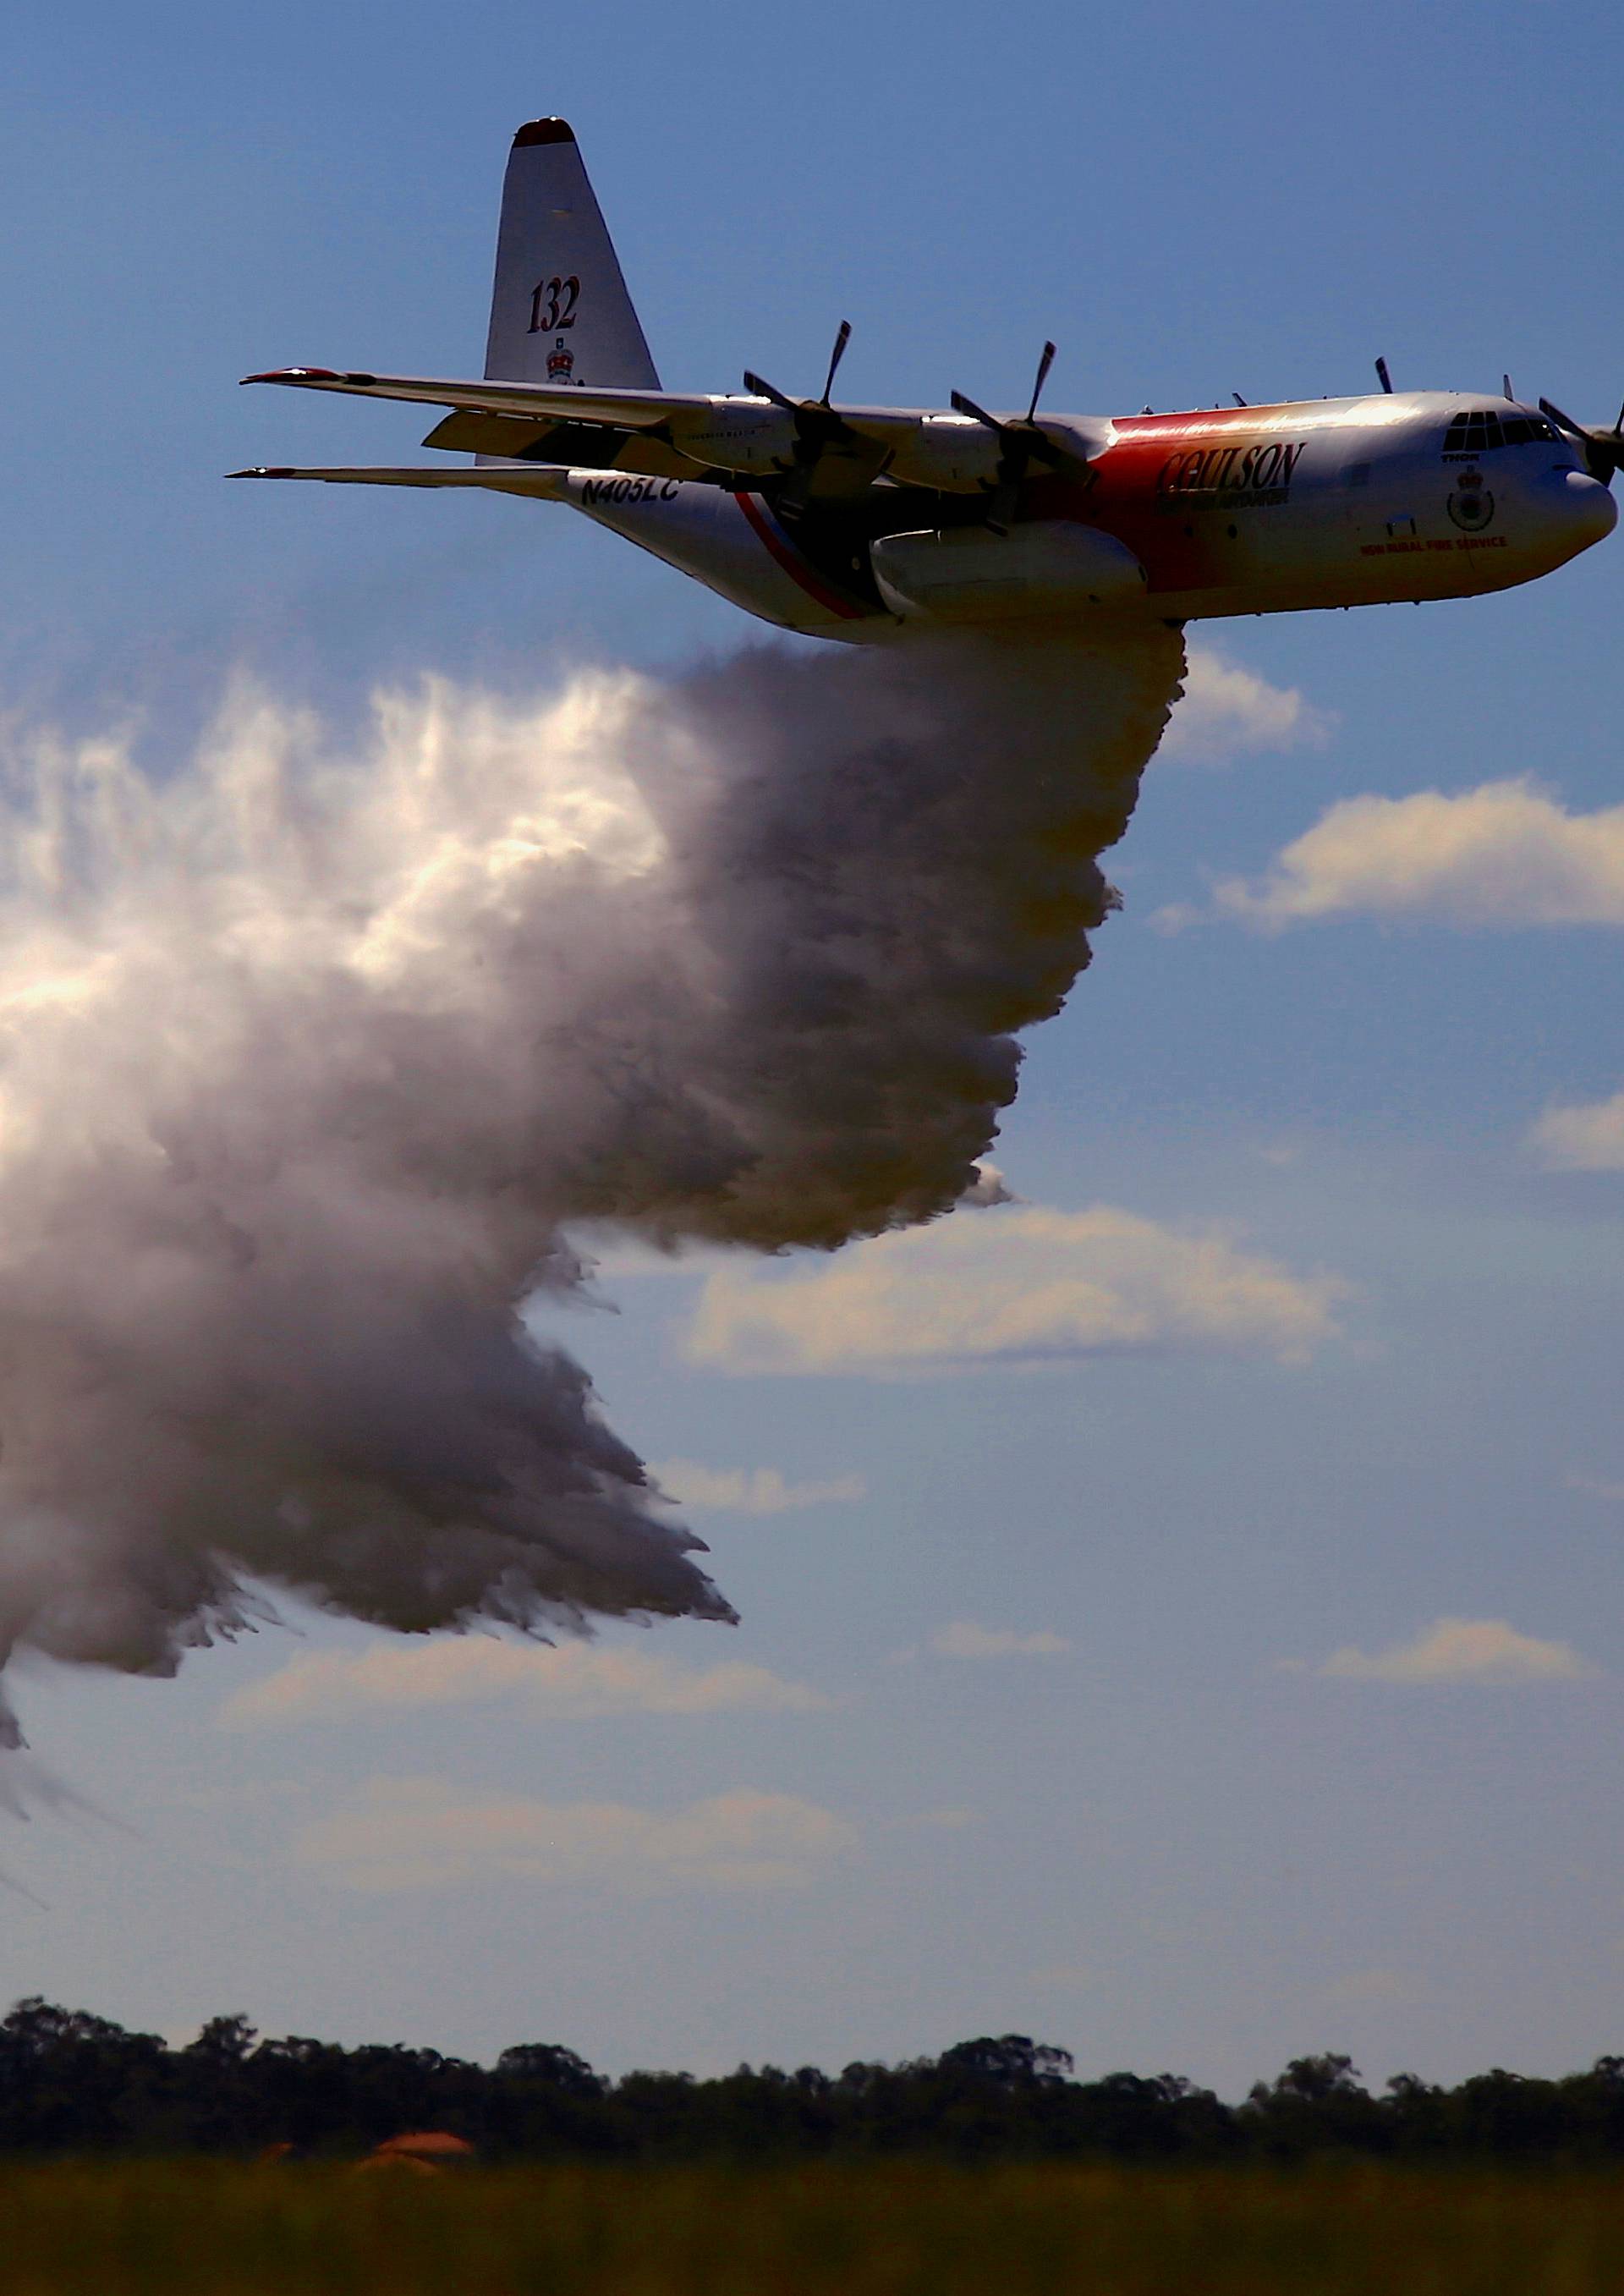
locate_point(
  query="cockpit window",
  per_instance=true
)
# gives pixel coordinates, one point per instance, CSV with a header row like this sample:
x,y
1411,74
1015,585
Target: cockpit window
x,y
1481,431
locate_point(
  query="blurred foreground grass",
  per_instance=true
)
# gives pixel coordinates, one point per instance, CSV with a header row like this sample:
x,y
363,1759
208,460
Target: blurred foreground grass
x,y
874,2230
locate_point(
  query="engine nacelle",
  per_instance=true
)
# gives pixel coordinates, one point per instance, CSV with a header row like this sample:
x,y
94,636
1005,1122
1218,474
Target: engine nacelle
x,y
970,574
950,452
736,434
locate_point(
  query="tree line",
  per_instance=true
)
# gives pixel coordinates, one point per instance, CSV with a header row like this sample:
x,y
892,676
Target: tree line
x,y
71,2083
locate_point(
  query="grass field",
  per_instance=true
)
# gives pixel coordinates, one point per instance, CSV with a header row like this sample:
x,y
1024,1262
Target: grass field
x,y
869,2231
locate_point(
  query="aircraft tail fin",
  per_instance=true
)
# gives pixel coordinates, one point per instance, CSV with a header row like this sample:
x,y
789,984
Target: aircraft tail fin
x,y
560,312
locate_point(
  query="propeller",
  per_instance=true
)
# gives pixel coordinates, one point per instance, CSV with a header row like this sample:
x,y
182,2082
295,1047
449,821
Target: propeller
x,y
1603,450
1021,441
817,426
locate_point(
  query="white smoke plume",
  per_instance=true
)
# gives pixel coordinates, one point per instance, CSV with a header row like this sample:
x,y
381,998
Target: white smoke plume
x,y
309,1062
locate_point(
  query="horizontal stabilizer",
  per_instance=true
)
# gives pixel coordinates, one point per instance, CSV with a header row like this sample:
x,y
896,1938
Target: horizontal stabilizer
x,y
632,410
503,478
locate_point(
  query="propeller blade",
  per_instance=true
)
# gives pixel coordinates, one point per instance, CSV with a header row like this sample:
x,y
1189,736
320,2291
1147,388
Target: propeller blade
x,y
818,431
1562,421
1021,441
1043,365
835,357
963,406
1603,450
759,390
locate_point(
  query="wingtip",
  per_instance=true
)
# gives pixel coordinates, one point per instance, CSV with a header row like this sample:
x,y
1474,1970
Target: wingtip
x,y
544,131
296,374
264,470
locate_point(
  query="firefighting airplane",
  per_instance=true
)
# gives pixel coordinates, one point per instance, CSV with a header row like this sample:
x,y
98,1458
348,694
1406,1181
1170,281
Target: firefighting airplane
x,y
865,522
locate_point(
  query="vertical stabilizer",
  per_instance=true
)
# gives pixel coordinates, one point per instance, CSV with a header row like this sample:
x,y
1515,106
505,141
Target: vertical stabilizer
x,y
560,312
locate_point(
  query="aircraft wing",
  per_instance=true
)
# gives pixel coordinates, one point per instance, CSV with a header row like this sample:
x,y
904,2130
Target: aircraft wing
x,y
690,433
547,485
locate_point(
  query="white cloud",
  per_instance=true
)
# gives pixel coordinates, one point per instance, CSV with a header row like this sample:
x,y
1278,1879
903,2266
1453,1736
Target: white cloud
x,y
1018,1284
573,1680
964,1639
406,1834
1466,1651
1596,1487
750,1490
1507,853
1585,1137
989,1187
1226,709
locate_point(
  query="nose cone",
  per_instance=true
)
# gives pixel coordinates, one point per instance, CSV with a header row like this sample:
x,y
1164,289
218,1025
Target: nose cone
x,y
1589,512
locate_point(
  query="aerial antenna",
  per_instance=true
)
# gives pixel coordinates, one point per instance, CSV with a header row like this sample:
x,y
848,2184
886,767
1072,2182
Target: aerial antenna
x,y
1506,385
1237,399
1383,375
835,357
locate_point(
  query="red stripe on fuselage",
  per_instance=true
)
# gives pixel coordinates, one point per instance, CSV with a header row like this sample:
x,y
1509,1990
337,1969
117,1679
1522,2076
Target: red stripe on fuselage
x,y
1160,483
778,548
1198,421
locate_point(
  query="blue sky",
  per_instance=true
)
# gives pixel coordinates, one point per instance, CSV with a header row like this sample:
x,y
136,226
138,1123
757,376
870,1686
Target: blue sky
x,y
1130,1812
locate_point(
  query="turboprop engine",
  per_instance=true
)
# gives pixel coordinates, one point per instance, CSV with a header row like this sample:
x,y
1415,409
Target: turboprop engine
x,y
976,574
953,452
761,439
749,434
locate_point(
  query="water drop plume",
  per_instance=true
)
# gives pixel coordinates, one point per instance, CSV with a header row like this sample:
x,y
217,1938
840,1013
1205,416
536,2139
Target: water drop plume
x,y
312,1064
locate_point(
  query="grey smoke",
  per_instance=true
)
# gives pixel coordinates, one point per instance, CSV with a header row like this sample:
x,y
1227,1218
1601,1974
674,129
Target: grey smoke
x,y
308,1067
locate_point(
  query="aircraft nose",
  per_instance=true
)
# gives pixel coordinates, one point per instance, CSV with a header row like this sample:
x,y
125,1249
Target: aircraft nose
x,y
1588,508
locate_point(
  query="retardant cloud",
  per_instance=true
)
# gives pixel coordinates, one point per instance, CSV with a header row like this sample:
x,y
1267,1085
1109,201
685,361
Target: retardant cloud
x,y
1464,1651
570,1679
408,1834
1508,853
316,1057
1585,1137
1022,1283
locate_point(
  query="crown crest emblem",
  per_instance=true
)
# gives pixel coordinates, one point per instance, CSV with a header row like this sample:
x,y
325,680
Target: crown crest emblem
x,y
560,365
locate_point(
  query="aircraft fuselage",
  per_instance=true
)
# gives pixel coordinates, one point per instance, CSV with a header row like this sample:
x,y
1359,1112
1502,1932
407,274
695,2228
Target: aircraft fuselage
x,y
1216,512
868,522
